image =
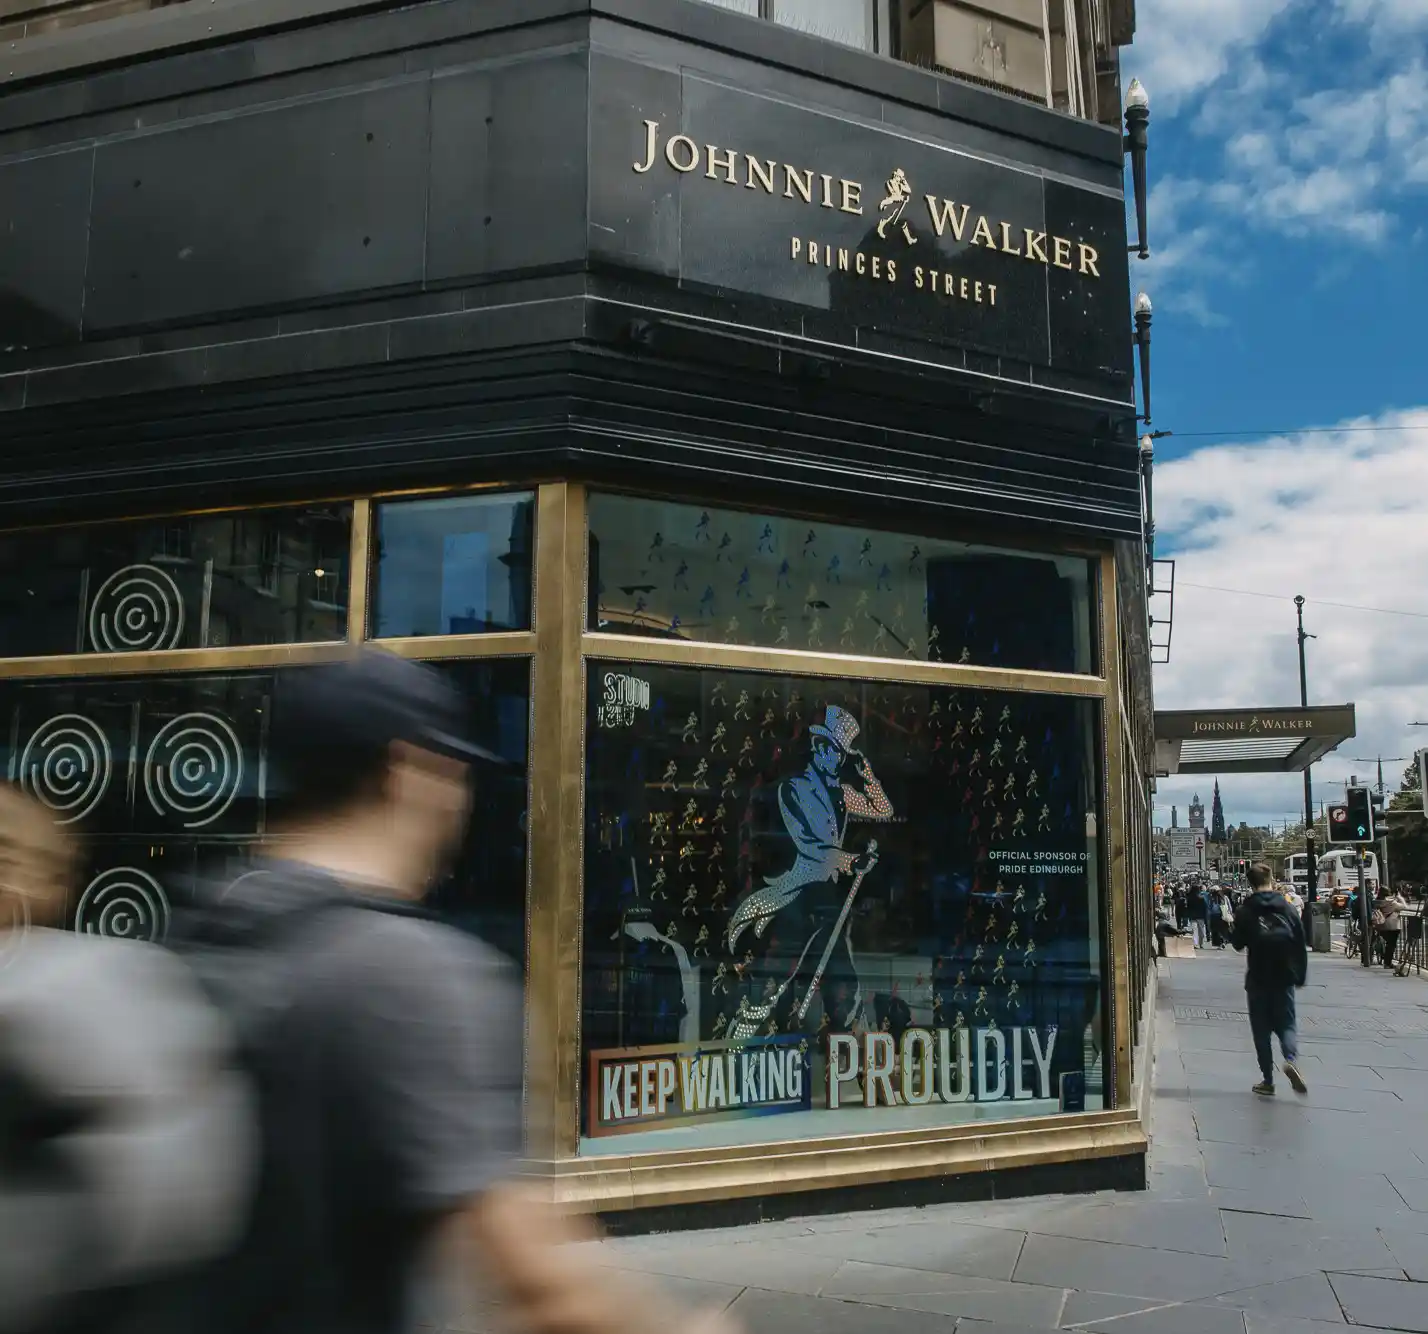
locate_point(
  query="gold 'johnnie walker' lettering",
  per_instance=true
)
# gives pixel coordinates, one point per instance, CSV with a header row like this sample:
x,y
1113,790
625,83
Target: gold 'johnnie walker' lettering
x,y
824,190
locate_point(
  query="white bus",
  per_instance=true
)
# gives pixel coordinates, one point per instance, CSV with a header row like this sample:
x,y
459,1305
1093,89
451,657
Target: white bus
x,y
1296,872
1339,871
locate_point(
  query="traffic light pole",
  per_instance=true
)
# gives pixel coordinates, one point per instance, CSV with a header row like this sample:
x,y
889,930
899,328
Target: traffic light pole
x,y
1365,917
1311,864
1381,829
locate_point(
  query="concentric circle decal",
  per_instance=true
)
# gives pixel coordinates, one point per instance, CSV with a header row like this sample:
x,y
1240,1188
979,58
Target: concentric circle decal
x,y
67,764
123,903
137,609
194,769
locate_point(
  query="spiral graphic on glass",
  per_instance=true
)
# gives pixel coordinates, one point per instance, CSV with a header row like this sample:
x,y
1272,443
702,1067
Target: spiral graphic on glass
x,y
194,769
123,903
137,609
67,765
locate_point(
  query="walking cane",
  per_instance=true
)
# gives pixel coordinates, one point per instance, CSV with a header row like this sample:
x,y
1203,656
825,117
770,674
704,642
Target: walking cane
x,y
837,931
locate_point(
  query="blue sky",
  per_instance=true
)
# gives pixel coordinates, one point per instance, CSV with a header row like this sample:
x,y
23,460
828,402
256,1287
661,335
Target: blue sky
x,y
1289,220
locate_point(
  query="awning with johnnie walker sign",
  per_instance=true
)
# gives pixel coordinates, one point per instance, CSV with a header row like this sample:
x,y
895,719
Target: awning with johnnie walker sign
x,y
1220,741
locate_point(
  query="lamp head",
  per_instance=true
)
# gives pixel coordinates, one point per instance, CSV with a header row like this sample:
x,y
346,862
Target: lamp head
x,y
1142,305
1137,99
1147,447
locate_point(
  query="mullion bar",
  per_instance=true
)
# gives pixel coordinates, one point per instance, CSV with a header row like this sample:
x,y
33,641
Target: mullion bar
x,y
505,644
1113,740
799,662
359,573
237,658
557,765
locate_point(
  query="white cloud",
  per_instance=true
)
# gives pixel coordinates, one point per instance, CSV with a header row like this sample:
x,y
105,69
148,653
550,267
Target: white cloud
x,y
1184,46
1385,16
1341,517
1333,148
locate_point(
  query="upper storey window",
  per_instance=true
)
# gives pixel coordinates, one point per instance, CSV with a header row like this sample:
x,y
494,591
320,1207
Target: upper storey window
x,y
860,23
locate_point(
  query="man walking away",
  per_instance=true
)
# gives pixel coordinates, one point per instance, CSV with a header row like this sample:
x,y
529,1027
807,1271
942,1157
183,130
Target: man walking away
x,y
1271,931
1386,920
1197,908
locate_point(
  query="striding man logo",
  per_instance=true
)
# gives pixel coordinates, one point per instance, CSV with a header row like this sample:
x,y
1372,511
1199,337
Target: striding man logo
x,y
899,196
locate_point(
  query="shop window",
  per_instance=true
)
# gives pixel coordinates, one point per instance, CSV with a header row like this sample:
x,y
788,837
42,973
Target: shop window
x,y
817,907
166,782
671,571
457,566
208,581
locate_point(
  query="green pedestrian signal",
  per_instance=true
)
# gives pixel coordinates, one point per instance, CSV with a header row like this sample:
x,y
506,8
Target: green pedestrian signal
x,y
1351,821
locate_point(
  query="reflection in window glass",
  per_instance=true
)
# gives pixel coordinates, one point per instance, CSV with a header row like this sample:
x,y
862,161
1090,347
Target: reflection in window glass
x,y
486,890
166,780
459,566
846,21
742,6
787,877
686,572
207,581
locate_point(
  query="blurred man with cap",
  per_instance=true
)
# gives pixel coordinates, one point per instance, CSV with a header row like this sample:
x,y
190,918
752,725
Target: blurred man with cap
x,y
388,1051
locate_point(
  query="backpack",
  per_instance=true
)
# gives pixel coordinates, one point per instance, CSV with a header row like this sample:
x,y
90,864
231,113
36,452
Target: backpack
x,y
1275,934
126,1132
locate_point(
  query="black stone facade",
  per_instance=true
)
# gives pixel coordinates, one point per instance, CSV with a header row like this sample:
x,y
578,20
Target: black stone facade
x,y
357,248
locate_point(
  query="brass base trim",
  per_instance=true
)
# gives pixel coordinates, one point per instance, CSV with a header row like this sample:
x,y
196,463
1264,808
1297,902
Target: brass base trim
x,y
608,1185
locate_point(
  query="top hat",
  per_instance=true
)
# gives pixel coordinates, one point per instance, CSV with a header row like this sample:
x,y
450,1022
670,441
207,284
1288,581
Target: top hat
x,y
838,726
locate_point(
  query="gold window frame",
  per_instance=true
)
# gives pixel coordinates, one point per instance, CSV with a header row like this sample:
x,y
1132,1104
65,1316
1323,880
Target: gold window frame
x,y
558,647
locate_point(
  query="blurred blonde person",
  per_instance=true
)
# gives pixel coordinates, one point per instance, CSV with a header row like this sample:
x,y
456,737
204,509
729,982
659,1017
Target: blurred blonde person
x,y
37,868
125,1154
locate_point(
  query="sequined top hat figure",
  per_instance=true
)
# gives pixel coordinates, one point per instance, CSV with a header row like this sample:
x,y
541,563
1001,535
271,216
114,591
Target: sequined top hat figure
x,y
838,726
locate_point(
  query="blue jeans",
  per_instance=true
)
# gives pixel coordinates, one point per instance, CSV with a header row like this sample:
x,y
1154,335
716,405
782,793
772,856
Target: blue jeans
x,y
1271,1012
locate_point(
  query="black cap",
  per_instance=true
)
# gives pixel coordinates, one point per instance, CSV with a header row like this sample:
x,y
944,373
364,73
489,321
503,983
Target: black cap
x,y
368,701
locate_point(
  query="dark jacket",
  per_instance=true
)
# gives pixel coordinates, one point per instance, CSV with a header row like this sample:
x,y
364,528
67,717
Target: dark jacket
x,y
1270,969
1197,906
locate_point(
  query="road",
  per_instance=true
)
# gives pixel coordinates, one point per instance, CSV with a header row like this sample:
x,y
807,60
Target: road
x,y
1291,1216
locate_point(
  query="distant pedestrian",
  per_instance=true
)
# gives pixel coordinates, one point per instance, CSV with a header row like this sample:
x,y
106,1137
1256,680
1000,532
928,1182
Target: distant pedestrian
x,y
1269,928
1197,910
1179,898
1387,923
1219,913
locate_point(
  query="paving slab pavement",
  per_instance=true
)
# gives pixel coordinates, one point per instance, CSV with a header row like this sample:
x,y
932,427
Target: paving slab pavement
x,y
1284,1216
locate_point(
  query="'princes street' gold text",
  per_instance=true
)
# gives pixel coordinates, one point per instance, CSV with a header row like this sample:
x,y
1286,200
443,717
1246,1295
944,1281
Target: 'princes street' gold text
x,y
840,195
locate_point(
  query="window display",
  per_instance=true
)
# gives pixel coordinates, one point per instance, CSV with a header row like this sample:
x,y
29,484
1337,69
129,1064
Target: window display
x,y
203,581
165,782
818,907
669,571
456,566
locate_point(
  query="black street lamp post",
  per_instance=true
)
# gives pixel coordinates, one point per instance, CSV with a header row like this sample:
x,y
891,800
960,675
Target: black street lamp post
x,y
1137,141
1143,314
